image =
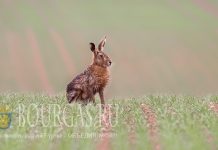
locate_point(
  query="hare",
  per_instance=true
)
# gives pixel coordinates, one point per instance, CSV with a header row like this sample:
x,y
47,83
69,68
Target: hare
x,y
93,80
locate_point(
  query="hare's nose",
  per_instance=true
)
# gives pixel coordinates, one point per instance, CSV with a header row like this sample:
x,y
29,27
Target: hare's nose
x,y
110,62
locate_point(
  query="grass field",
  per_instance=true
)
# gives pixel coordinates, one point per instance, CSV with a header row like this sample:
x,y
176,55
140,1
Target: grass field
x,y
150,122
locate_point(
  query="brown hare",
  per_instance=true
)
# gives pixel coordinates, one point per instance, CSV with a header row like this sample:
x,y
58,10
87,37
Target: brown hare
x,y
93,80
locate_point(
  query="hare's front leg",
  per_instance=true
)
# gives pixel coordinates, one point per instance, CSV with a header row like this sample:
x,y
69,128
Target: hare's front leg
x,y
92,99
91,96
101,94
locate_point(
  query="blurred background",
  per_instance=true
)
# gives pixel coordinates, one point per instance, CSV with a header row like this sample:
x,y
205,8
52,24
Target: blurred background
x,y
156,45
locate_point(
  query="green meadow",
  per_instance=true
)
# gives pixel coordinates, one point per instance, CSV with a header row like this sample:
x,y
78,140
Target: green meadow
x,y
182,122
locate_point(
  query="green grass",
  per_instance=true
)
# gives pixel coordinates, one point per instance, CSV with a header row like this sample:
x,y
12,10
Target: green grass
x,y
183,122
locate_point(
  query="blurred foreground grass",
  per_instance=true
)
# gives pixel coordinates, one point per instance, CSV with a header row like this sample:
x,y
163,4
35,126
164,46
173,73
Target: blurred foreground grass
x,y
183,122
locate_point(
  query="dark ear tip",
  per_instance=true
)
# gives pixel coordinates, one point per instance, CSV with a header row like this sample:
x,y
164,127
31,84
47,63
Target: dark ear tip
x,y
92,46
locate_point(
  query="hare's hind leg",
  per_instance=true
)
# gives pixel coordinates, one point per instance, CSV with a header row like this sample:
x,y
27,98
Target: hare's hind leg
x,y
72,95
92,99
91,96
86,101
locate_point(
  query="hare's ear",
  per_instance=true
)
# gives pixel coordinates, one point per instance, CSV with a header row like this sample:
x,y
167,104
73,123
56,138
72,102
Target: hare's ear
x,y
101,44
92,47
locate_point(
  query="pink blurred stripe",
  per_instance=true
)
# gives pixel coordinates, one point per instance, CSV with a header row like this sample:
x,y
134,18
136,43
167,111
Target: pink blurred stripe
x,y
180,8
207,7
65,55
14,52
40,69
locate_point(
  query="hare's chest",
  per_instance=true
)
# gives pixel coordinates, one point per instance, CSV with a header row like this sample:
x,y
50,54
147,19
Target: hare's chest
x,y
99,81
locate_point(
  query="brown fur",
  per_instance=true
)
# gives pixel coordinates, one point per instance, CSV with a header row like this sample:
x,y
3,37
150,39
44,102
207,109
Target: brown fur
x,y
93,80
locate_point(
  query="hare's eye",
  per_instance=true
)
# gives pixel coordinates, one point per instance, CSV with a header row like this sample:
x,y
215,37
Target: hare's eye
x,y
101,55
